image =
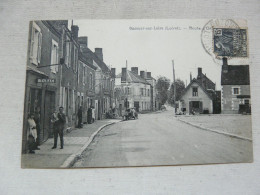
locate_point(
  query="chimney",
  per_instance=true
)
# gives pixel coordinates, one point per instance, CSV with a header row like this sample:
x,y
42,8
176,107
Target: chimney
x,y
225,65
123,77
199,72
113,72
149,75
75,31
135,70
83,41
99,53
190,77
142,74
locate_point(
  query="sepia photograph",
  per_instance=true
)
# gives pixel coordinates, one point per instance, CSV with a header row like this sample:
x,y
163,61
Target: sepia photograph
x,y
135,93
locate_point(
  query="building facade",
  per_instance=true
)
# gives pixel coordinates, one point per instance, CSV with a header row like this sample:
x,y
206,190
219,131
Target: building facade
x,y
196,99
200,96
134,89
235,91
41,89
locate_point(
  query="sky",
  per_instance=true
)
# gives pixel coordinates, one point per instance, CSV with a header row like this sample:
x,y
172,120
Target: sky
x,y
151,45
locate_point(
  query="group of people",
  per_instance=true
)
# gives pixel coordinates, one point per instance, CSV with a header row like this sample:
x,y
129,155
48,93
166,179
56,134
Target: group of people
x,y
58,120
90,116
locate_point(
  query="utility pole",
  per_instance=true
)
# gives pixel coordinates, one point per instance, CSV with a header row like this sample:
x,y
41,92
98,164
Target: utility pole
x,y
126,87
174,85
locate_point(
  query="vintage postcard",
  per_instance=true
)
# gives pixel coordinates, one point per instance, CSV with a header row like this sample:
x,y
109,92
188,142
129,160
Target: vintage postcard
x,y
120,93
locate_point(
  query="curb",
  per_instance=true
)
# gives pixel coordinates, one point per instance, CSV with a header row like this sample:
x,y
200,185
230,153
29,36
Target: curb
x,y
216,131
73,157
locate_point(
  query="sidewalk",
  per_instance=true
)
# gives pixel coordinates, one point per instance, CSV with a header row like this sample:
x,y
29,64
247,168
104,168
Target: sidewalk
x,y
75,143
238,126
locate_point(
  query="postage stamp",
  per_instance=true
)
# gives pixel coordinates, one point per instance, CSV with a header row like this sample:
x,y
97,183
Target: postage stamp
x,y
230,42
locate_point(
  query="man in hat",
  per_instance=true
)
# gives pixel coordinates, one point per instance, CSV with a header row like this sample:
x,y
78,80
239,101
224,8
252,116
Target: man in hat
x,y
59,121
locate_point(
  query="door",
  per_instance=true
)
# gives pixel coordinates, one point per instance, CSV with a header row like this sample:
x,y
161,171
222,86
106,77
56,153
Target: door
x,y
136,105
195,106
49,107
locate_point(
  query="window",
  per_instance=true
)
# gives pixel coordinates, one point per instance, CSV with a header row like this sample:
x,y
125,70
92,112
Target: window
x,y
142,92
54,56
75,59
235,91
148,92
84,74
90,81
36,44
195,91
246,102
68,51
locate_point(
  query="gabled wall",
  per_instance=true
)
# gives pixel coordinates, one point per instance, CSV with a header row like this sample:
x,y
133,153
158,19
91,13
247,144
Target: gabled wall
x,y
202,96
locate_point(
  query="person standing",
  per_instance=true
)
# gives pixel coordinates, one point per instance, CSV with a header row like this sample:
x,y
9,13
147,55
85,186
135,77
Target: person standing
x,y
32,134
37,117
93,114
80,117
89,115
59,121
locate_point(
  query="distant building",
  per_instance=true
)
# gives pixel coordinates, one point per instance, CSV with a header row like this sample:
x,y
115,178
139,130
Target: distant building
x,y
104,82
235,92
154,99
86,85
134,89
200,96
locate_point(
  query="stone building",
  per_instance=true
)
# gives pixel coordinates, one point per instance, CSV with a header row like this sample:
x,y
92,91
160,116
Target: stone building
x,y
103,83
135,90
42,80
86,78
200,96
235,91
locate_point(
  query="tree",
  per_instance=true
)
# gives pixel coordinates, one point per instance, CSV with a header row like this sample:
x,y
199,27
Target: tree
x,y
162,86
180,86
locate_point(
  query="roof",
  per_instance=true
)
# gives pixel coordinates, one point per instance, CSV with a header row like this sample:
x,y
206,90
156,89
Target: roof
x,y
99,62
236,75
133,78
84,60
189,86
205,81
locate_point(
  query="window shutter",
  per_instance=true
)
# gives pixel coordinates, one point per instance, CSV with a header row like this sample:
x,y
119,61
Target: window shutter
x,y
52,58
67,54
32,42
39,47
57,58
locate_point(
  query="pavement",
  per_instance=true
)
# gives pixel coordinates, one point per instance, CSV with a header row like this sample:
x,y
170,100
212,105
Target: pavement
x,y
160,139
75,142
234,125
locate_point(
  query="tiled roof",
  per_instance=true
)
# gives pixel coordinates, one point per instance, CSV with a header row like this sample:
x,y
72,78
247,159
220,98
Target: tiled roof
x,y
83,59
236,75
133,78
205,82
99,62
